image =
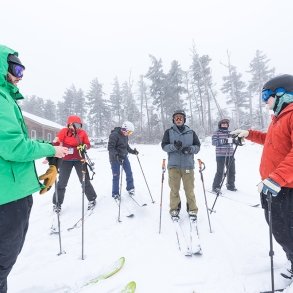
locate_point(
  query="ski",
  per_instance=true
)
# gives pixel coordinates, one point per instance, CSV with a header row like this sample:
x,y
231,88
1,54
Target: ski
x,y
129,288
124,209
137,202
79,222
253,205
276,290
194,237
181,240
108,272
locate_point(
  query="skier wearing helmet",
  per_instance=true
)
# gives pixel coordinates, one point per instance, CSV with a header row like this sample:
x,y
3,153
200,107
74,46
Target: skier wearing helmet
x,y
181,143
76,139
276,166
119,148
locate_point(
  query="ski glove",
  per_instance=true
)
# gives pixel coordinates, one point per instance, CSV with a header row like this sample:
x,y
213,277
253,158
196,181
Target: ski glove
x,y
49,178
119,159
135,152
81,149
239,133
187,150
178,145
269,185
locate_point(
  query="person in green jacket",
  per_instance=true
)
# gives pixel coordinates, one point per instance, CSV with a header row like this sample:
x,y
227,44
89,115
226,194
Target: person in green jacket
x,y
18,176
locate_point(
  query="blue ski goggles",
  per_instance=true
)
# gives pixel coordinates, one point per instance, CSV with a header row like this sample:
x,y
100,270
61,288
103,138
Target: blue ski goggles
x,y
16,70
266,94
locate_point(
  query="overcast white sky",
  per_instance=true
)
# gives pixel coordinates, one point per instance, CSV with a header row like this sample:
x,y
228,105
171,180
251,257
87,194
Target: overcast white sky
x,y
65,42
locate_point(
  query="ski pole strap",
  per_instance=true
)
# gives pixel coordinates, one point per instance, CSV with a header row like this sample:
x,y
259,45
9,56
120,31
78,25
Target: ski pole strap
x,y
201,164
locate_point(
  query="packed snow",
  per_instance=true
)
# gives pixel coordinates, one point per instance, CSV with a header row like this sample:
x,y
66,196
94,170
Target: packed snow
x,y
235,255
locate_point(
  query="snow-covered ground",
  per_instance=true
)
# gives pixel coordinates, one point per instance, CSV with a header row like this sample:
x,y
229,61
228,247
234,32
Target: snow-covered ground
x,y
235,255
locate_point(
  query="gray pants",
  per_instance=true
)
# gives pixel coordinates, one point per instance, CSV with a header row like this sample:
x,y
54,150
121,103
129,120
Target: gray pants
x,y
187,176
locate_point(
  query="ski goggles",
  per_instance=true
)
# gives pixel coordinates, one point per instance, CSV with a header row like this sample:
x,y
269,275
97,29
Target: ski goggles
x,y
16,70
279,92
76,125
129,132
179,117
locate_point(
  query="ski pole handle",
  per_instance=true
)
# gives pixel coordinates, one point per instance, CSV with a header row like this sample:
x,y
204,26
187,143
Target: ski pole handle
x,y
201,163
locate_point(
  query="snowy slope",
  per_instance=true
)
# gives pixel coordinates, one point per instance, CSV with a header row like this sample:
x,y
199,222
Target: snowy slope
x,y
235,256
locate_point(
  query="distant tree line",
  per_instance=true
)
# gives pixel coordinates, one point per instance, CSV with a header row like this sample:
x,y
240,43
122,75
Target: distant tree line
x,y
158,94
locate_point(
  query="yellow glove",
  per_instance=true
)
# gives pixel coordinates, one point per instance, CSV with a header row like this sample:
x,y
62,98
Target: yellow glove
x,y
49,178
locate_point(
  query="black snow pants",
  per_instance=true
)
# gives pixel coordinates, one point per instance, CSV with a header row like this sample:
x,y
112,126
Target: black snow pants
x,y
230,179
14,220
282,219
64,174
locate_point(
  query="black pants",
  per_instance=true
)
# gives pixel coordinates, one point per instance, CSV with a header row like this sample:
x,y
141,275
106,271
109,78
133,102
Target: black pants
x,y
14,220
282,219
64,174
221,162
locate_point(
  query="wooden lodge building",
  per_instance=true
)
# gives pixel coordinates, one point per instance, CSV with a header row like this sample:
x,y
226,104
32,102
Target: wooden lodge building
x,y
41,128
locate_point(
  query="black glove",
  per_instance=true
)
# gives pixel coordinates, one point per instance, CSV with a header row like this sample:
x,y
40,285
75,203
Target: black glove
x,y
187,150
178,144
135,152
238,140
119,159
223,141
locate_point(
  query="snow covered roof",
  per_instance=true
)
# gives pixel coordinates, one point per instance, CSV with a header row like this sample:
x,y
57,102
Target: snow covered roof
x,y
41,121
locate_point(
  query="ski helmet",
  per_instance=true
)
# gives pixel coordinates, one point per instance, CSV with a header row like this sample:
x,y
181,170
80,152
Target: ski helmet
x,y
15,67
73,119
127,126
225,120
181,112
284,81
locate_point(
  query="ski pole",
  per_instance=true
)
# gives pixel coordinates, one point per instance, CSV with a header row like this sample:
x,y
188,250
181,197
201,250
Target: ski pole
x,y
82,212
271,253
202,167
58,219
145,178
120,192
223,179
163,172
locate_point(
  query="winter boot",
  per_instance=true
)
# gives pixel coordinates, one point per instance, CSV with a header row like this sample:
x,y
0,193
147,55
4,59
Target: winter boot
x,y
131,192
116,196
174,214
193,215
217,190
91,205
57,208
231,188
288,272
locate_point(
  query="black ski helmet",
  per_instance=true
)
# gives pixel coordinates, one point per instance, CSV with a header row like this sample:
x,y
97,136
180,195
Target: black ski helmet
x,y
284,81
14,59
225,120
181,112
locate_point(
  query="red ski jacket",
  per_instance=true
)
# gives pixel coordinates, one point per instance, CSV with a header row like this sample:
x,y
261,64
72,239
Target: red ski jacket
x,y
277,155
68,139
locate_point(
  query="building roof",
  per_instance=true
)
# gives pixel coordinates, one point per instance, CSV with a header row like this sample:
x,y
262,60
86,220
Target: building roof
x,y
41,121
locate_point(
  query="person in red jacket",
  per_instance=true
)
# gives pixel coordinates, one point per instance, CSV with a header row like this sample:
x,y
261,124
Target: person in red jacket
x,y
77,141
276,167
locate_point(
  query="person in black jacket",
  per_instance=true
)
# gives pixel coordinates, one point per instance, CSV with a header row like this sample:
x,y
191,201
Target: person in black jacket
x,y
119,148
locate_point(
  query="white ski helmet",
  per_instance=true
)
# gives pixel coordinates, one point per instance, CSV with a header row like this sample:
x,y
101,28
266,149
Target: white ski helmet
x,y
127,126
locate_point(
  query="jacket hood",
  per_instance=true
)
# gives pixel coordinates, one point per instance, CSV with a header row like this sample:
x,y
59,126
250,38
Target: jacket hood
x,y
12,89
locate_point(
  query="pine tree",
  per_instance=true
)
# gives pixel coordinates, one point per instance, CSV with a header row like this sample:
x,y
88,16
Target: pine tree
x,y
99,110
260,72
116,102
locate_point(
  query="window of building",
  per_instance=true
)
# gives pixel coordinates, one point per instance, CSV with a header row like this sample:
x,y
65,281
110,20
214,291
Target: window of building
x,y
33,134
49,136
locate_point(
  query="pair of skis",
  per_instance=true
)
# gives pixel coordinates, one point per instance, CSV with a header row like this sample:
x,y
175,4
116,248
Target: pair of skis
x,y
191,245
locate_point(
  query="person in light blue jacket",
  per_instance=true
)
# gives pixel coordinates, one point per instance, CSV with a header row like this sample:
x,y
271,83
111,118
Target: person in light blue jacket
x,y
181,143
